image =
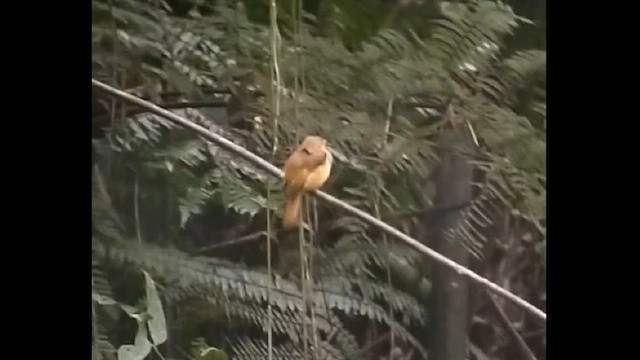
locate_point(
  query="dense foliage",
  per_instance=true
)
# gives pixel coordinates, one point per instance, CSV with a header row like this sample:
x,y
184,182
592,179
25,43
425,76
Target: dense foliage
x,y
194,217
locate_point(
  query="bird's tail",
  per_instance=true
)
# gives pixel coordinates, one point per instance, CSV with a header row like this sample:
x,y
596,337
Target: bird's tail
x,y
291,212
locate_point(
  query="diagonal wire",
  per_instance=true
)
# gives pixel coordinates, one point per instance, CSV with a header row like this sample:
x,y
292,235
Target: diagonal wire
x,y
265,165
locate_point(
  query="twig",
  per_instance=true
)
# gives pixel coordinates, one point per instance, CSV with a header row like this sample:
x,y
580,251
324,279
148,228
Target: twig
x,y
158,352
136,207
102,188
237,241
522,345
174,105
473,133
534,333
196,104
382,338
204,89
268,167
430,210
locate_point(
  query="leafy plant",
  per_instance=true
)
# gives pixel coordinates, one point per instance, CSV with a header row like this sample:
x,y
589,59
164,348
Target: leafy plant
x,y
150,321
161,194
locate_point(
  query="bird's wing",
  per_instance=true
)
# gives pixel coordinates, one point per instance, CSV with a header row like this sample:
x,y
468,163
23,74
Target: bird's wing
x,y
295,181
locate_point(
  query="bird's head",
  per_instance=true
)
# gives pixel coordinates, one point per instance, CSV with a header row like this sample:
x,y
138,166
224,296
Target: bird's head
x,y
314,139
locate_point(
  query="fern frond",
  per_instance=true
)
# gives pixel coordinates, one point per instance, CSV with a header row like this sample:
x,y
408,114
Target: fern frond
x,y
524,67
205,274
467,29
288,322
102,347
357,307
99,282
506,188
189,152
347,95
372,291
251,349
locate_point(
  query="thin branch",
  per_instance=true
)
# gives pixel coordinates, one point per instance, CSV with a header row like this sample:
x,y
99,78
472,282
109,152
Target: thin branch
x,y
204,89
158,352
174,105
232,242
429,211
268,167
522,345
370,346
534,333
102,188
136,208
196,104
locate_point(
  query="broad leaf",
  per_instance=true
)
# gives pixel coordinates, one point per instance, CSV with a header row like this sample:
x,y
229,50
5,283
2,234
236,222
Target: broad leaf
x,y
157,322
141,347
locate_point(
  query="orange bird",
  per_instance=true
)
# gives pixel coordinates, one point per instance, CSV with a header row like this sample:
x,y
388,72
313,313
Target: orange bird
x,y
306,169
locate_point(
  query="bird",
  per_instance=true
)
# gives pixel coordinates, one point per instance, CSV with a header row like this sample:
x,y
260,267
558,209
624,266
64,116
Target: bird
x,y
306,170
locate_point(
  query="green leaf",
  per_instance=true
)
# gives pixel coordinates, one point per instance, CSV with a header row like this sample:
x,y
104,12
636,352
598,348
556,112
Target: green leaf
x,y
211,353
141,347
157,322
201,351
103,300
130,310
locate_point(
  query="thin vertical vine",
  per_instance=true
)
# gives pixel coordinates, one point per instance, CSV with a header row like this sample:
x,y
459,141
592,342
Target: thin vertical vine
x,y
309,274
275,106
306,278
296,56
303,282
376,207
384,236
270,275
275,74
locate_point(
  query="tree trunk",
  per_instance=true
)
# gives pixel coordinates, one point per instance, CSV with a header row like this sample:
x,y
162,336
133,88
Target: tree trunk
x,y
450,293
